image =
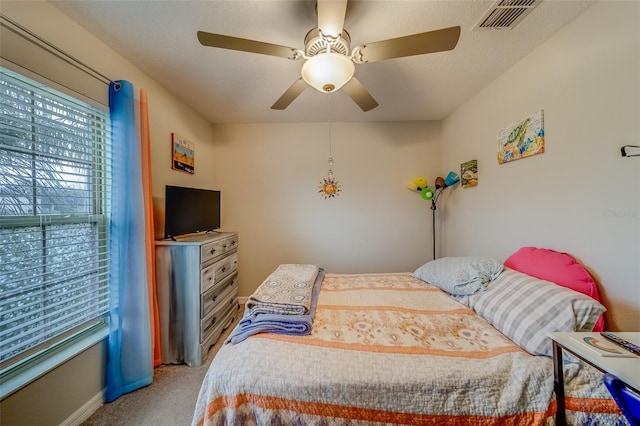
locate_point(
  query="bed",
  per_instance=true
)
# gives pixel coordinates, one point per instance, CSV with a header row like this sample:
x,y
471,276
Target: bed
x,y
455,342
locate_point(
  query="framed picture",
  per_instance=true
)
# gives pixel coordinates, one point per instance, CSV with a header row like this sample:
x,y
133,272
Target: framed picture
x,y
522,139
469,174
182,154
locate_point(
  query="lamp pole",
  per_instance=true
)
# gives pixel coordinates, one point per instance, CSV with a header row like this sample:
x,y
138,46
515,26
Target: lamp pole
x,y
436,195
433,211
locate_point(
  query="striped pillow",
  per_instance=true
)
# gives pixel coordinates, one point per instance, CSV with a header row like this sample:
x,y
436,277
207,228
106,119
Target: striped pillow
x,y
527,309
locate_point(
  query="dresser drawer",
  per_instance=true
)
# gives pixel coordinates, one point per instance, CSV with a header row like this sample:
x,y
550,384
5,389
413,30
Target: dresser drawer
x,y
215,249
213,274
214,295
215,332
214,318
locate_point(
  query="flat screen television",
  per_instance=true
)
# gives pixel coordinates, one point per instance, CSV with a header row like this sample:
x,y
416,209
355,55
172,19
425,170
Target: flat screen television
x,y
190,210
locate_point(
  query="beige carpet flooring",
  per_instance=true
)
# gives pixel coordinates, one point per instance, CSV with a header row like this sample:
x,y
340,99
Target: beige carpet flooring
x,y
168,401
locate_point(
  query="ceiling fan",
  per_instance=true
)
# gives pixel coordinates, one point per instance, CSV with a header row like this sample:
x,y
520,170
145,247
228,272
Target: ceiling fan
x,y
329,60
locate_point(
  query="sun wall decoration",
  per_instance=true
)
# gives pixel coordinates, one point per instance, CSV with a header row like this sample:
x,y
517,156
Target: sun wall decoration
x,y
329,187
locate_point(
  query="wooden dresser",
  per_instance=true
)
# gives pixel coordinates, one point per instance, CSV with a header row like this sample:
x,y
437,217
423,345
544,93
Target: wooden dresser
x,y
197,290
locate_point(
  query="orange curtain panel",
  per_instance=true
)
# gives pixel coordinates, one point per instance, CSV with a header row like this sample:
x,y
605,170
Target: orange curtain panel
x,y
145,145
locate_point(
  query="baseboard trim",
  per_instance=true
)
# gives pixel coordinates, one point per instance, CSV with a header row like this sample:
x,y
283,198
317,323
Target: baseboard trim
x,y
242,300
84,412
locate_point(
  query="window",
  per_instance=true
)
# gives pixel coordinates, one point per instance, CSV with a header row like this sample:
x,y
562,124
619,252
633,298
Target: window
x,y
54,201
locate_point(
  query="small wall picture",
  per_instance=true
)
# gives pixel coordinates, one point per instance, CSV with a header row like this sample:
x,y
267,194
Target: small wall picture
x,y
522,139
182,154
469,174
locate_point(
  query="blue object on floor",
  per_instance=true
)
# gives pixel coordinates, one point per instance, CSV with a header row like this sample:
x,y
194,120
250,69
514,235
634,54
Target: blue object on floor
x,y
627,398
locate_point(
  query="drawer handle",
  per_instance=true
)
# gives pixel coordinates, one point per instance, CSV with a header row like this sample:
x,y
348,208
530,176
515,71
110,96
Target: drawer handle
x,y
213,320
213,299
233,243
231,301
224,268
212,251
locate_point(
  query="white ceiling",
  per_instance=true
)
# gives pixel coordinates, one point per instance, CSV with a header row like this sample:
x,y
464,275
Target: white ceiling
x,y
232,87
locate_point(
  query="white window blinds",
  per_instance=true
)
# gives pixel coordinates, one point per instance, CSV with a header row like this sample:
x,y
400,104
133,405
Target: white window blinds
x,y
54,203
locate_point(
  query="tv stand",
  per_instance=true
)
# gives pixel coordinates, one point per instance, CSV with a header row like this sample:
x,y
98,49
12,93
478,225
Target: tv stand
x,y
197,288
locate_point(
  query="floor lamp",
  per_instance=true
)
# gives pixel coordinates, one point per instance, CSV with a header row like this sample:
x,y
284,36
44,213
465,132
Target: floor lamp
x,y
428,194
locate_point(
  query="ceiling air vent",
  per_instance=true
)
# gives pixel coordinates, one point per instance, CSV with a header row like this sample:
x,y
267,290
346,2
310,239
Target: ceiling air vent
x,y
506,14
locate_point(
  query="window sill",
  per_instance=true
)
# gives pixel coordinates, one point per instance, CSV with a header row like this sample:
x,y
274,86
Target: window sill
x,y
16,377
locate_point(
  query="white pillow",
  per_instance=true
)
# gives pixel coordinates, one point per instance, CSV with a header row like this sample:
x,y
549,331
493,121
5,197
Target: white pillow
x,y
460,276
527,309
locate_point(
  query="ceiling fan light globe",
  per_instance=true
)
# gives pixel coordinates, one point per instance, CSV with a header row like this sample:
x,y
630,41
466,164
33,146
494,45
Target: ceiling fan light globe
x,y
328,72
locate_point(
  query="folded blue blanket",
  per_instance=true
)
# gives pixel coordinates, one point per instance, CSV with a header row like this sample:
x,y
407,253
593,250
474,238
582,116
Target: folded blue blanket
x,y
287,324
292,325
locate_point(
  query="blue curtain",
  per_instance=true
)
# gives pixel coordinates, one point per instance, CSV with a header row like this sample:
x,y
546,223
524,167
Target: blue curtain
x,y
130,362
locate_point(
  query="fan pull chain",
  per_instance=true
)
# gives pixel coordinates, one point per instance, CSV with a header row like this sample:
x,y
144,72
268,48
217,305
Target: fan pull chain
x,y
330,173
329,187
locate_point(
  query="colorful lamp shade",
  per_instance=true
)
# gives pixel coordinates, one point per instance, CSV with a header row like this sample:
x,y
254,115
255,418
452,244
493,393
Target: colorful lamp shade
x,y
451,179
427,194
417,183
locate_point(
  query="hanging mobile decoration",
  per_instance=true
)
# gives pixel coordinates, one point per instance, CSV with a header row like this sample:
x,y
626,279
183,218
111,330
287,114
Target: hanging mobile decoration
x,y
329,187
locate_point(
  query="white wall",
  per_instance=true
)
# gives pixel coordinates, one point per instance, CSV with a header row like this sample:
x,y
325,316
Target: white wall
x,y
580,196
269,176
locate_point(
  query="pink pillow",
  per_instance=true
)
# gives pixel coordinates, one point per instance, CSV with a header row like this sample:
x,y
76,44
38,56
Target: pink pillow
x,y
559,268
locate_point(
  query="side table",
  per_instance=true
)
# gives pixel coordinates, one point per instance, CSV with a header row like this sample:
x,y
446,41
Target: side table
x,y
626,369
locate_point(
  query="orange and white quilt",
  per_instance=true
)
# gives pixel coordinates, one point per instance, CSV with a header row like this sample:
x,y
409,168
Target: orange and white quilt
x,y
391,349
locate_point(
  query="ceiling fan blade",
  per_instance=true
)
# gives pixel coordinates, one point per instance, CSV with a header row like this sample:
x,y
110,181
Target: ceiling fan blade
x,y
290,95
416,44
359,94
331,16
245,45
